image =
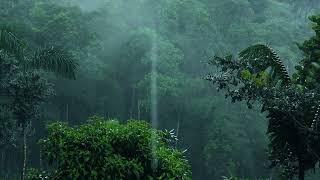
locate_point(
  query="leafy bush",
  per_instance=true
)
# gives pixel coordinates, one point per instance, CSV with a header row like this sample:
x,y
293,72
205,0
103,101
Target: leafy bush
x,y
106,149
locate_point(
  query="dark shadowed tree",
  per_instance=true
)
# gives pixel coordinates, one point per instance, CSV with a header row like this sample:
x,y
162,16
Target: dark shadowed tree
x,y
25,83
291,103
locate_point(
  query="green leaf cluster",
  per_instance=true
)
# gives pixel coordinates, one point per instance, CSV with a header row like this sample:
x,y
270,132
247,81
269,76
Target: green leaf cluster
x,y
106,149
308,70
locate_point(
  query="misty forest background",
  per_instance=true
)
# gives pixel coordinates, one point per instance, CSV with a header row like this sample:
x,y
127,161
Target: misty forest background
x,y
112,41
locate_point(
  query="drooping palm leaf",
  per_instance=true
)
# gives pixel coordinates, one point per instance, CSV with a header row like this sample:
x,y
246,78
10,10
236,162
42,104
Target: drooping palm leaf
x,y
11,44
55,60
261,57
49,59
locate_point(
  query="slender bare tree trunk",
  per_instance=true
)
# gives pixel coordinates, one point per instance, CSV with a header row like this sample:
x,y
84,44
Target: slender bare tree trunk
x,y
133,92
24,149
67,112
3,162
40,159
139,111
178,127
301,170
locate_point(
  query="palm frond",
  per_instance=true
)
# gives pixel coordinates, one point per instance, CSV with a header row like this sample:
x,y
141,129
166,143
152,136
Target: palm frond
x,y
55,60
261,57
11,44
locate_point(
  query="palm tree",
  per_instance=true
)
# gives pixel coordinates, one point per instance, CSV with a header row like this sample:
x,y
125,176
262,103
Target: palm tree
x,y
50,59
29,61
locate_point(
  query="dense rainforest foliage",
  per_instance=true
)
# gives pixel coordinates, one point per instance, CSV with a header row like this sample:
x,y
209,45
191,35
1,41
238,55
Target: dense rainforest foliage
x,y
67,60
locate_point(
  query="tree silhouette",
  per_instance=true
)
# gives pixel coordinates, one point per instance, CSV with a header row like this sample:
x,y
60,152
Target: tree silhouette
x,y
23,80
290,102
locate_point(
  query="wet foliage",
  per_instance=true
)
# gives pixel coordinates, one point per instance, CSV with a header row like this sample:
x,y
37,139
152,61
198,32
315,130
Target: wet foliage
x,y
68,60
106,149
292,106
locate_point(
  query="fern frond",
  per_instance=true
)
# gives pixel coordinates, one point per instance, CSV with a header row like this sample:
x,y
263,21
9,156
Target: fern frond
x,y
260,57
55,60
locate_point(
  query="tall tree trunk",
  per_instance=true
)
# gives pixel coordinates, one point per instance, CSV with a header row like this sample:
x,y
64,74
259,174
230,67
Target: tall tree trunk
x,y
178,127
301,170
67,112
133,93
139,111
3,162
40,159
24,150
